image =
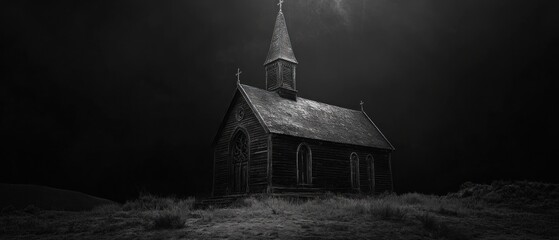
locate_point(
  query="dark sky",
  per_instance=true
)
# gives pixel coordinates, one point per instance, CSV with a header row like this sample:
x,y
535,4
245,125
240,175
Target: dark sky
x,y
116,97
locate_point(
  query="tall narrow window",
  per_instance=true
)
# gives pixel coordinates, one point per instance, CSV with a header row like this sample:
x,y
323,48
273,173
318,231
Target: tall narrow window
x,y
354,161
371,172
239,162
304,164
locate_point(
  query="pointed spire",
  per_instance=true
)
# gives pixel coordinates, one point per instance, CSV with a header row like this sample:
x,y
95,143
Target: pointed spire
x,y
280,47
280,63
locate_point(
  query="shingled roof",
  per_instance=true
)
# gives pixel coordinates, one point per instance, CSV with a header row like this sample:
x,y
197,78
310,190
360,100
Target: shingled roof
x,y
315,120
280,47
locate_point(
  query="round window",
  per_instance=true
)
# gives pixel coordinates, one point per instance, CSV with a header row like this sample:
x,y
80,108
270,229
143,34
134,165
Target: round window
x,y
240,114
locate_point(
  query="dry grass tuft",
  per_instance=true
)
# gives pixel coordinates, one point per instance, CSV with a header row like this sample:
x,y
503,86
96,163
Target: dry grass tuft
x,y
168,220
412,198
243,203
149,202
7,210
438,228
107,209
428,221
447,212
389,211
513,194
32,209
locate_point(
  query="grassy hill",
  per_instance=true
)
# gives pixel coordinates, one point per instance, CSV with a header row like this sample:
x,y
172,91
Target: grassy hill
x,y
19,196
502,210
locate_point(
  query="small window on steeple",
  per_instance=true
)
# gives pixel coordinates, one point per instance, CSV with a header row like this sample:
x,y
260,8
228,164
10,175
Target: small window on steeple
x,y
272,76
287,75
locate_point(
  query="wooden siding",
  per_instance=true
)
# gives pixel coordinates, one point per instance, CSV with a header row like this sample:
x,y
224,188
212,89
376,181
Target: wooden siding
x,y
383,174
258,150
331,169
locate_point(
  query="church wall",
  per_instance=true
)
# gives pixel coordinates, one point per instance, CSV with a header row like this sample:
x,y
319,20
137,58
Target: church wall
x,y
331,170
258,160
383,174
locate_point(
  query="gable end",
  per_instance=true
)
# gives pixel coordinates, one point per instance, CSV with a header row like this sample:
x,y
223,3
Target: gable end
x,y
238,91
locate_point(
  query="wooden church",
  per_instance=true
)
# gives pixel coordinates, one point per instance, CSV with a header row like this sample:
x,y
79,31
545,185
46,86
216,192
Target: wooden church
x,y
273,141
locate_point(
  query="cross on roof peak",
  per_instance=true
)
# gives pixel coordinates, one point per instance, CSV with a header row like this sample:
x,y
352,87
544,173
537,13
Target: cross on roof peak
x,y
238,75
280,4
361,103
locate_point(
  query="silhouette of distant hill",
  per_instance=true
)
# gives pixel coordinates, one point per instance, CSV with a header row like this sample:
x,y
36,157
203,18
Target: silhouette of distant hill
x,y
22,195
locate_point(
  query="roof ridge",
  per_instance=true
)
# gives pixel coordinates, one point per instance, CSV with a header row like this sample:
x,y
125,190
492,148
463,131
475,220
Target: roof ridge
x,y
333,105
251,105
382,134
260,89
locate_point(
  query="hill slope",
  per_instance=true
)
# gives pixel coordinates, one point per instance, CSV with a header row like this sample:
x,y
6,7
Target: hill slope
x,y
20,196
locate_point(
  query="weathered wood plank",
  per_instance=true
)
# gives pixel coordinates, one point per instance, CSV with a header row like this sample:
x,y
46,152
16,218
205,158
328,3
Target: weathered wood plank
x,y
331,168
257,166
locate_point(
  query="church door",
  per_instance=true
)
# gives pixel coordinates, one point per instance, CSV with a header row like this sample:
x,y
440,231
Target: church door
x,y
239,157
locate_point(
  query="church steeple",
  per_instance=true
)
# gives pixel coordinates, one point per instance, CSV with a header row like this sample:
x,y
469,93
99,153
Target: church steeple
x,y
281,63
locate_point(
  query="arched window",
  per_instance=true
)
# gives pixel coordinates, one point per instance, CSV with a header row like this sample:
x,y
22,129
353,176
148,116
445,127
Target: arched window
x,y
239,162
354,161
371,172
304,164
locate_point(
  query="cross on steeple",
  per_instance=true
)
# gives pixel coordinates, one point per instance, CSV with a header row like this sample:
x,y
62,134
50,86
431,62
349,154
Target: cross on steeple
x,y
238,75
361,103
280,4
280,63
